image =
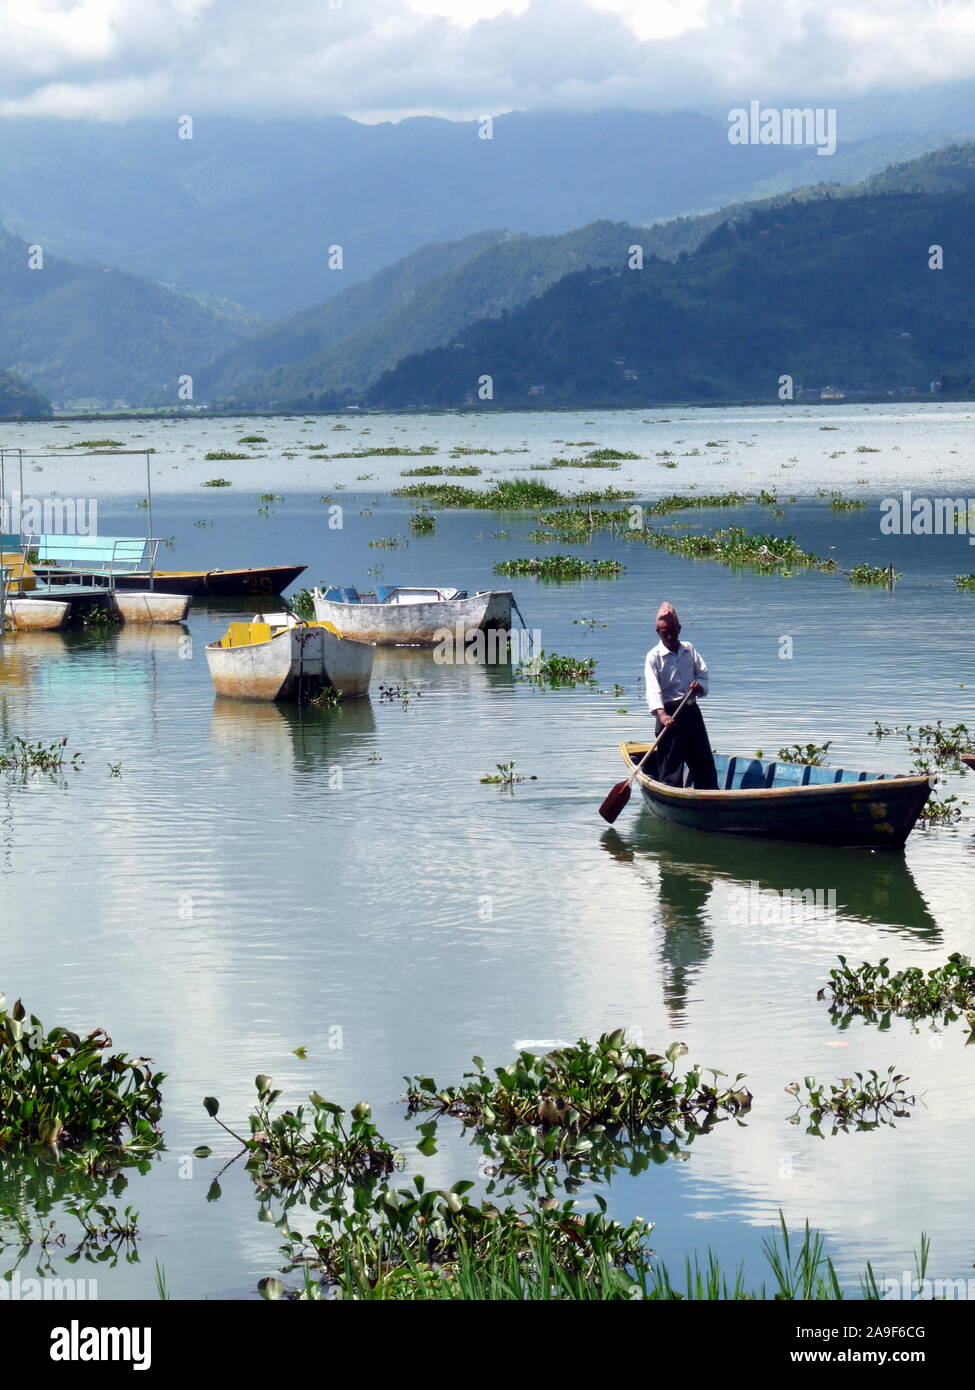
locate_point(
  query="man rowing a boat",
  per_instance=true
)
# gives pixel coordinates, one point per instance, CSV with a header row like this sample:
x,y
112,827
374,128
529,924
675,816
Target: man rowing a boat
x,y
673,670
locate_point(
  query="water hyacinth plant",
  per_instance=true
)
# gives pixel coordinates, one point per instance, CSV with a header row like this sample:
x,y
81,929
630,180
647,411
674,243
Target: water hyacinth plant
x,y
811,754
873,574
561,567
863,1101
737,547
305,1145
875,992
552,669
423,1242
65,1094
609,1082
21,756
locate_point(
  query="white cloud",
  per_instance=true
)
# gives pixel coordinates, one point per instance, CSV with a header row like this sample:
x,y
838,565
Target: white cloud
x,y
119,58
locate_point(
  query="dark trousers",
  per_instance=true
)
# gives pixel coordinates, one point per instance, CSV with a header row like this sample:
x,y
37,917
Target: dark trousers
x,y
686,741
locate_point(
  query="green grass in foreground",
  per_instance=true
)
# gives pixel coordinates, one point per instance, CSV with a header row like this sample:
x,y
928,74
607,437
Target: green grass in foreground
x,y
799,1269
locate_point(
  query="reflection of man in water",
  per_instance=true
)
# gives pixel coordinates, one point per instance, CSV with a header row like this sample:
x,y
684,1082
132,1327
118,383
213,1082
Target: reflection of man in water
x,y
673,668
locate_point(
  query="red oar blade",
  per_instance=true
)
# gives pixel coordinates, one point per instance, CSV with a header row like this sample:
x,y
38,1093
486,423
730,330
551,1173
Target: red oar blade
x,y
615,802
968,760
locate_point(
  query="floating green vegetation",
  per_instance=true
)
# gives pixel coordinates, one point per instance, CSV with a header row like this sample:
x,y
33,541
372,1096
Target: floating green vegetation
x,y
301,604
252,439
506,776
839,503
422,1242
608,1082
387,543
101,619
423,523
935,749
216,482
219,455
965,581
875,992
561,567
864,1101
679,502
578,463
590,623
391,451
933,745
21,756
61,1093
514,494
873,574
98,444
299,1146
736,546
327,698
270,497
811,754
434,470
576,523
607,494
552,669
404,693
460,451
865,449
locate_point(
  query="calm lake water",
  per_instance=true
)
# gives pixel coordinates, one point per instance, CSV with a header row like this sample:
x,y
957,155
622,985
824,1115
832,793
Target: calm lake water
x,y
260,879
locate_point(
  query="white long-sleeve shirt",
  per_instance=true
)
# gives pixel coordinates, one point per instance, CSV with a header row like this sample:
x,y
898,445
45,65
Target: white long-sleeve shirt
x,y
669,674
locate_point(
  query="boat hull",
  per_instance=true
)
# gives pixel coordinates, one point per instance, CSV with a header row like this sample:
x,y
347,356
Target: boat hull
x,y
36,614
150,606
418,624
291,665
253,583
845,815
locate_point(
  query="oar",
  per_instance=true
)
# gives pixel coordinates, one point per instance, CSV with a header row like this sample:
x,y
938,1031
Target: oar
x,y
620,795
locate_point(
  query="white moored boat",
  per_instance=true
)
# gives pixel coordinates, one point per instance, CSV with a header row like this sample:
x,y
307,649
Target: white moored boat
x,y
404,616
278,657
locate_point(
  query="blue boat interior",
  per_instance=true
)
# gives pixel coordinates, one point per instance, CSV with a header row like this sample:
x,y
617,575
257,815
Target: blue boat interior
x,y
757,774
747,774
336,594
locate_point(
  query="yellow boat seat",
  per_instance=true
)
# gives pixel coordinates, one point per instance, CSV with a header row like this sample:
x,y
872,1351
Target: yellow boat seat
x,y
246,634
20,576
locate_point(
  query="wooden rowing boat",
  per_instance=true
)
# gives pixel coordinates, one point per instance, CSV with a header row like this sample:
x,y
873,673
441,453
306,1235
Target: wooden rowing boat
x,y
279,658
403,616
254,583
767,800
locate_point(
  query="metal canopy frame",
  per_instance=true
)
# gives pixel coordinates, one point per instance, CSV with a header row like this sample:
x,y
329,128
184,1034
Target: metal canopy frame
x,y
20,455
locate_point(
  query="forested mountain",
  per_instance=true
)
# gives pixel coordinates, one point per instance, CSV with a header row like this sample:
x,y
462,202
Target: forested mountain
x,y
832,291
478,277
353,312
19,401
87,334
247,210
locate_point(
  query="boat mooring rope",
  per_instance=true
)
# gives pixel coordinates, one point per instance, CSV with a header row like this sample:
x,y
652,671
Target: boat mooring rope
x,y
514,604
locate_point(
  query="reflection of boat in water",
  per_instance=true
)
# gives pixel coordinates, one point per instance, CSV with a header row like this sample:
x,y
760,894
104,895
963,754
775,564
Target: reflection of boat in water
x,y
876,889
293,734
396,665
